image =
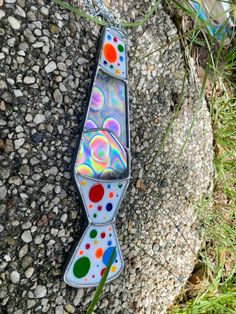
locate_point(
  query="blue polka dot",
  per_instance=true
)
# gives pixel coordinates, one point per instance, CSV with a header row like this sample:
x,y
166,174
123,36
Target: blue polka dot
x,y
105,62
109,37
121,59
107,255
109,207
109,242
108,186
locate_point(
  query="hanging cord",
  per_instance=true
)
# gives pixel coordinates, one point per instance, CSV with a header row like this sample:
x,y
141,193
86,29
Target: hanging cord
x,y
149,14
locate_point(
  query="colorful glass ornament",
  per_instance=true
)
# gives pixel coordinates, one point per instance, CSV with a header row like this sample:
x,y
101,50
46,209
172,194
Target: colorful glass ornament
x,y
216,15
102,165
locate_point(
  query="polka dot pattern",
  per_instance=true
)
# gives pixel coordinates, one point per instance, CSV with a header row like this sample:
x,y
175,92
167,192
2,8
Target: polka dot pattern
x,y
113,55
101,199
88,268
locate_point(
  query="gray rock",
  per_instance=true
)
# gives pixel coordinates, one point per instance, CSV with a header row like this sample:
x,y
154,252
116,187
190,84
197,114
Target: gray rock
x,y
61,66
19,142
29,272
2,14
18,92
82,60
15,277
3,84
40,292
28,118
29,35
29,80
69,308
20,11
23,251
15,180
57,96
15,24
78,297
38,44
39,118
26,236
3,192
5,173
50,67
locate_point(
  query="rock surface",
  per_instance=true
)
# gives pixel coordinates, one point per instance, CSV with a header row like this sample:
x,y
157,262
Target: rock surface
x,y
40,213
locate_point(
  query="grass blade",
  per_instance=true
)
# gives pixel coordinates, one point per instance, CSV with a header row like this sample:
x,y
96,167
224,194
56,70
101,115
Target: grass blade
x,y
81,13
102,282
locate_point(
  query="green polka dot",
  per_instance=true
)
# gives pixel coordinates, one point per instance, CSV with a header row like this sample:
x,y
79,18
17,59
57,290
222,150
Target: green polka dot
x,y
111,66
93,233
94,215
120,48
81,267
120,185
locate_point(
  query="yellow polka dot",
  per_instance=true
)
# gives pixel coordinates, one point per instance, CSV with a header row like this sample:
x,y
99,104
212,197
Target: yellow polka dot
x,y
83,183
117,72
113,268
95,242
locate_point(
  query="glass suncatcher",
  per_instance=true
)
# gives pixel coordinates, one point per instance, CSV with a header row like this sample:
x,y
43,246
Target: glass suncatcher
x,y
102,166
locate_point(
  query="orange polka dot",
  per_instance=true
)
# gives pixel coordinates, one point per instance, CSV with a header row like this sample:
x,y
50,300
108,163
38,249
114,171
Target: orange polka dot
x,y
83,183
95,242
113,269
99,252
81,253
109,228
111,194
90,206
109,53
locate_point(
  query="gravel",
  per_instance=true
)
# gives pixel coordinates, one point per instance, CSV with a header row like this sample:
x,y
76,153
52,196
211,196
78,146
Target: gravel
x,y
46,66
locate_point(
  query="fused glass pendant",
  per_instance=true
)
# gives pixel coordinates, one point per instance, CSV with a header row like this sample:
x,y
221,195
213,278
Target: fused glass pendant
x,y
102,165
216,15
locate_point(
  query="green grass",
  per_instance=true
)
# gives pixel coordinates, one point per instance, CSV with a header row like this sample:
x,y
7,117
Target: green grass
x,y
100,287
216,290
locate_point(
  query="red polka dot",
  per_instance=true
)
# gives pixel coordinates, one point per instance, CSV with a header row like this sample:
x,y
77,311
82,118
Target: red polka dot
x,y
99,208
109,53
102,271
103,234
115,39
96,193
111,194
87,246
